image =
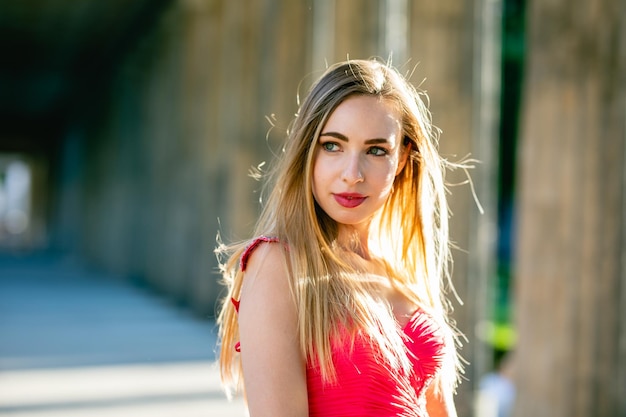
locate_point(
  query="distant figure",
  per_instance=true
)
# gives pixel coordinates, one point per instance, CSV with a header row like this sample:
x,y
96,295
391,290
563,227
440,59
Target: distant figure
x,y
336,306
496,390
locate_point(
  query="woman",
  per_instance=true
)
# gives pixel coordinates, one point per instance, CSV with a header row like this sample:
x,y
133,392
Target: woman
x,y
337,307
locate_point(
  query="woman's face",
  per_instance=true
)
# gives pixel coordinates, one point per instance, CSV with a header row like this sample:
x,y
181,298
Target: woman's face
x,y
359,153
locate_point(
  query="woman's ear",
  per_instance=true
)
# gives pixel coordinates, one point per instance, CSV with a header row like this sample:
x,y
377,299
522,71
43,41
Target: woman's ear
x,y
407,145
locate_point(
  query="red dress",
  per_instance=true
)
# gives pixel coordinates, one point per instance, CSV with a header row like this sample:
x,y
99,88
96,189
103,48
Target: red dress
x,y
366,385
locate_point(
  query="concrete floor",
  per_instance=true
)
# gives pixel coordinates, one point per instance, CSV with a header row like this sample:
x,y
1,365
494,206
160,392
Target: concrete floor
x,y
75,342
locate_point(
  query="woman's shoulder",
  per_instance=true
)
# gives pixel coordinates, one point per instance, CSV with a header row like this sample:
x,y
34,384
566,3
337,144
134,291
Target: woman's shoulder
x,y
268,327
264,264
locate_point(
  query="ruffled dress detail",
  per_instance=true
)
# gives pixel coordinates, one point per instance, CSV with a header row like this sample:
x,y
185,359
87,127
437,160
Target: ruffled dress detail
x,y
366,384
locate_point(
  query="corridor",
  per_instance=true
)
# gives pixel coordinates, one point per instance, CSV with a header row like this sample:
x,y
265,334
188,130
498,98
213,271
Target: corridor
x,y
77,342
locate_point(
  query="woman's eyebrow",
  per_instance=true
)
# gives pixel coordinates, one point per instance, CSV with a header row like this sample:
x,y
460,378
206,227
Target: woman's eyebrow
x,y
344,138
335,135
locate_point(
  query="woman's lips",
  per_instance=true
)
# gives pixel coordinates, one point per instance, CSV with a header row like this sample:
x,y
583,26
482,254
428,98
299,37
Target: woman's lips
x,y
349,200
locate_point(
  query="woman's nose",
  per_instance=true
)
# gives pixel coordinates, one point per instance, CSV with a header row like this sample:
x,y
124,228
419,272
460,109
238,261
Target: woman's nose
x,y
352,172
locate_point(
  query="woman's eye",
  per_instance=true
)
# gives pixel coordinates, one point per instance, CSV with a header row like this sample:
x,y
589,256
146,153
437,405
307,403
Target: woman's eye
x,y
330,146
377,151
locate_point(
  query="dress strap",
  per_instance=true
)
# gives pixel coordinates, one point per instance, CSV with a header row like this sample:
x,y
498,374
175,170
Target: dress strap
x,y
243,262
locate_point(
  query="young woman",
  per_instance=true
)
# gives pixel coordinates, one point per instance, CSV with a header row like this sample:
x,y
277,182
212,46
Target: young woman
x,y
336,307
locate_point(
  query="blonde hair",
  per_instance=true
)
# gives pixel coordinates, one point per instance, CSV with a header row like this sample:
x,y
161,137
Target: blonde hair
x,y
410,232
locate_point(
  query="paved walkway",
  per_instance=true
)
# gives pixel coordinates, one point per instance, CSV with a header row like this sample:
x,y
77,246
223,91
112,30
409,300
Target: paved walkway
x,y
75,342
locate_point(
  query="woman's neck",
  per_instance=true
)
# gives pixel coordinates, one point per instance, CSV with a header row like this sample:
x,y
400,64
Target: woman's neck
x,y
354,239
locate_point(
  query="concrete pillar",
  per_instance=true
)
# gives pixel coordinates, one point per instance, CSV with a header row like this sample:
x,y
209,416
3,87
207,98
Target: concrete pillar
x,y
571,274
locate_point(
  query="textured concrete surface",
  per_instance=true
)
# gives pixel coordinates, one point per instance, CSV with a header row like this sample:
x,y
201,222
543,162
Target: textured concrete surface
x,y
75,342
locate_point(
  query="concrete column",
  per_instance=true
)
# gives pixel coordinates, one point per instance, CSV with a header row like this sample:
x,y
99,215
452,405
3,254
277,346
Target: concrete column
x,y
571,276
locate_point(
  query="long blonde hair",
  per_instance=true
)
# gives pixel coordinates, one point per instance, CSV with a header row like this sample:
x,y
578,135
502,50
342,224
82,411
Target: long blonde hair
x,y
410,232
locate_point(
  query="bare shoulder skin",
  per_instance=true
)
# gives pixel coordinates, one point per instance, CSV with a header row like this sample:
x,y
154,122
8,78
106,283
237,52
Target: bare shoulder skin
x,y
273,367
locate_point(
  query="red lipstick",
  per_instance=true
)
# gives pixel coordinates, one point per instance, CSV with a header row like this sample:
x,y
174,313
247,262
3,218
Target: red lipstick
x,y
349,200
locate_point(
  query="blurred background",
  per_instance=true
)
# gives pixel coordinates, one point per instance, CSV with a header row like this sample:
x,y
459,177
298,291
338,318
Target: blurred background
x,y
128,130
